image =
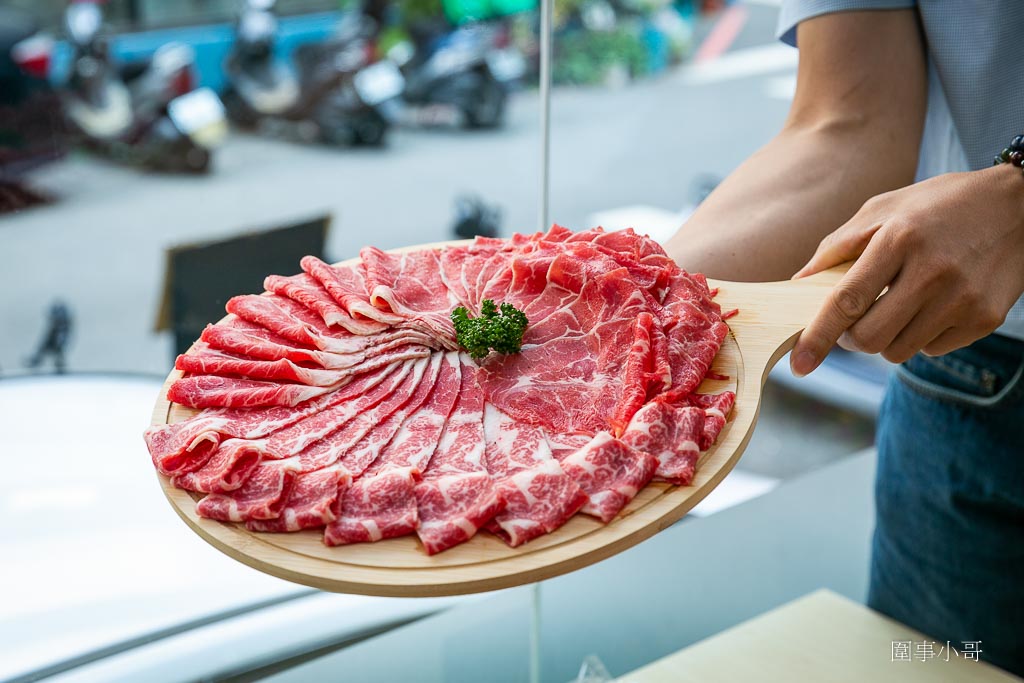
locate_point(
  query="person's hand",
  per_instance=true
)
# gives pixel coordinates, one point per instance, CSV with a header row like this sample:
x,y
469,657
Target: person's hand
x,y
950,250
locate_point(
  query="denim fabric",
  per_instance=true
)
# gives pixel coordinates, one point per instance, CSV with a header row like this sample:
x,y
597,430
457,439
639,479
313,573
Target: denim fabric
x,y
948,549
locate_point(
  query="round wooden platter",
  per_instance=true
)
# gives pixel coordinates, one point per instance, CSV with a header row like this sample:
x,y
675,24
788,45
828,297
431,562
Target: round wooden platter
x,y
771,314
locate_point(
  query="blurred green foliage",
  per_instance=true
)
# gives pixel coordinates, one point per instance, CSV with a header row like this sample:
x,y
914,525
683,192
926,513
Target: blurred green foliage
x,y
588,57
419,10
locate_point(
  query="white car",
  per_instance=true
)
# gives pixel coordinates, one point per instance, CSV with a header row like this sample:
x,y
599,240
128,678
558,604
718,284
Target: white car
x,y
100,579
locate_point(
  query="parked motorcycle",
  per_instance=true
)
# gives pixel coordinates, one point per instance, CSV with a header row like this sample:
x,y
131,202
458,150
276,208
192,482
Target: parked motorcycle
x,y
470,68
32,130
337,93
147,113
475,218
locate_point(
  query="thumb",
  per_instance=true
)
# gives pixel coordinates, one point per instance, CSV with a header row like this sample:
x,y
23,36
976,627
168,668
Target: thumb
x,y
844,244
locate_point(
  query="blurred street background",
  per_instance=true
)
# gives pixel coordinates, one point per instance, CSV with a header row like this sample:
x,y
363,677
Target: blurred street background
x,y
654,102
159,156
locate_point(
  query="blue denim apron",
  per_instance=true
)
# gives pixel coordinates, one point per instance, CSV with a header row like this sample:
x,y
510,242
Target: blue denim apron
x,y
948,548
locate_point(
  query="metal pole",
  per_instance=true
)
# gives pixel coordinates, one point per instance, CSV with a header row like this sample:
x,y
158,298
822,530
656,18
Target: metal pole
x,y
546,14
535,633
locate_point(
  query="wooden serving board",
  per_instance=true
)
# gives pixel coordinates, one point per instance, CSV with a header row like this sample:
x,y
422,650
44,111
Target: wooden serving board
x,y
770,317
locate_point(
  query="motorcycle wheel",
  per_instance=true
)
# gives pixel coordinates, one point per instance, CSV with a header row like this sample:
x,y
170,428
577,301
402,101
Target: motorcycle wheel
x,y
238,111
369,131
198,160
487,109
341,136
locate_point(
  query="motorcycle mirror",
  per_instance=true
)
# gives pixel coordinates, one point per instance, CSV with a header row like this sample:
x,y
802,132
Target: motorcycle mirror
x,y
33,55
83,21
599,16
257,26
172,57
400,53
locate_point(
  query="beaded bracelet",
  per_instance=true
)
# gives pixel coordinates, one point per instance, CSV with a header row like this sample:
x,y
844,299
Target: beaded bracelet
x,y
1014,154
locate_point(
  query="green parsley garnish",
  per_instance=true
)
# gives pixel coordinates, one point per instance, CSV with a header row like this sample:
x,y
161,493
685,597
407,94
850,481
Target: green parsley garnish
x,y
496,328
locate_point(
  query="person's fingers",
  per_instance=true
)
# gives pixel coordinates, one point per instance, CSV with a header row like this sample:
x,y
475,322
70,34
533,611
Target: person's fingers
x,y
845,305
952,339
931,321
886,318
844,244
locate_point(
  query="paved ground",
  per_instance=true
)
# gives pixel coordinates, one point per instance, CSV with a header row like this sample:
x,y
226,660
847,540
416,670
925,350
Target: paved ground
x,y
100,246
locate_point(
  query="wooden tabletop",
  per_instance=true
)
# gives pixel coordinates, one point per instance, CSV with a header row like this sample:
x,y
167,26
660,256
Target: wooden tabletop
x,y
822,637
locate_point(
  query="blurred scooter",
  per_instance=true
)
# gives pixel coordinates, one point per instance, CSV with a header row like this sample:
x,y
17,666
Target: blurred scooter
x,y
338,94
156,119
32,129
474,218
471,69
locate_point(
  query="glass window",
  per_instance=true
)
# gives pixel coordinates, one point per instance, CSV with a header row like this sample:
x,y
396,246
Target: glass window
x,y
137,200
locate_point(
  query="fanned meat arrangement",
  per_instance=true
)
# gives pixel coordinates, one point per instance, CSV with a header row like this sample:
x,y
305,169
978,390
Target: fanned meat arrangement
x,y
340,399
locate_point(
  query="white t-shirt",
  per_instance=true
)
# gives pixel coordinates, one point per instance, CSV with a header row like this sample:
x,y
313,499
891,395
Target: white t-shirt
x,y
975,55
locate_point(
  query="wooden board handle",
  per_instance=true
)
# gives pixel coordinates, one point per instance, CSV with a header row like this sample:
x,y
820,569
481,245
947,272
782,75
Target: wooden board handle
x,y
774,313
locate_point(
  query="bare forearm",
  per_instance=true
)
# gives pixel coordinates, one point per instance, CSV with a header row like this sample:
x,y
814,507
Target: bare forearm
x,y
766,219
852,132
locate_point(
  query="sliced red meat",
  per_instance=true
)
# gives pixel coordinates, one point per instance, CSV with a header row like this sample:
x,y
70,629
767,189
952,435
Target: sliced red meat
x,y
661,368
294,438
304,290
201,359
453,507
520,279
672,435
184,446
228,468
308,291
452,268
205,391
636,375
610,473
525,273
492,266
537,501
382,503
410,286
356,424
716,409
347,286
273,313
539,496
309,504
557,233
618,340
262,496
294,322
564,445
343,343
382,506
320,441
187,445
457,496
695,331
210,391
253,341
245,339
568,376
648,268
384,429
627,247
481,242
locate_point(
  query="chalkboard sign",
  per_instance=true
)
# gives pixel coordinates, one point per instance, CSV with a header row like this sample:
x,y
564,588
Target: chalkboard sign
x,y
200,278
